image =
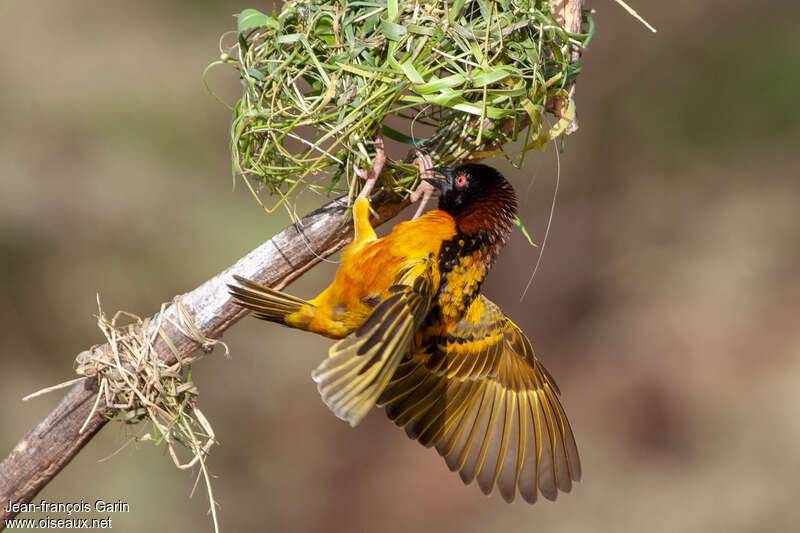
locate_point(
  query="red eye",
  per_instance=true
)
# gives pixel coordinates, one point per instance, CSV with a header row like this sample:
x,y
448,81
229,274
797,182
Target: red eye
x,y
461,180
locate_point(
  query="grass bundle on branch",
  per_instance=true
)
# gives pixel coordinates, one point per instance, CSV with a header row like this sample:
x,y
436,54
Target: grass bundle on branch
x,y
322,79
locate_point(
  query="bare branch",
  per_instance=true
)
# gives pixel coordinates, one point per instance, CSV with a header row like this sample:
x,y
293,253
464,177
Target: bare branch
x,y
48,447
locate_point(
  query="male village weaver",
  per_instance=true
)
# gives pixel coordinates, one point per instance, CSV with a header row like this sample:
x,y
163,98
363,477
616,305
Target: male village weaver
x,y
419,338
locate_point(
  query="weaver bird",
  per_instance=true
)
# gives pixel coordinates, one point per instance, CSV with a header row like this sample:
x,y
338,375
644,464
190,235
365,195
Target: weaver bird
x,y
418,337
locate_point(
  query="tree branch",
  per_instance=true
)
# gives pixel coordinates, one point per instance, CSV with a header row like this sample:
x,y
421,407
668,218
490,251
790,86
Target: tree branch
x,y
48,447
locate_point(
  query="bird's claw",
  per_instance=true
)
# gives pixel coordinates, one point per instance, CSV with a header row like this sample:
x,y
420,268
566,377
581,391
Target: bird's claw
x,y
424,190
370,177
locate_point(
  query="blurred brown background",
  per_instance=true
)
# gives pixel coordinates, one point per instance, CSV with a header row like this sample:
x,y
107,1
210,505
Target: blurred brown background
x,y
666,304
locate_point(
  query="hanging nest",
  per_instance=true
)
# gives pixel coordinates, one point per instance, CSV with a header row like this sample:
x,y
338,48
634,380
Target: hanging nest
x,y
322,79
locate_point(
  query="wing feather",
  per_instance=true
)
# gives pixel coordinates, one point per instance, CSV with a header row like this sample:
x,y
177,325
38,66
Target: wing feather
x,y
471,457
507,454
361,366
482,398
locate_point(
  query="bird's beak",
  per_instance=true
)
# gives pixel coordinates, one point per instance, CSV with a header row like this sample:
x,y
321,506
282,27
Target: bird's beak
x,y
440,183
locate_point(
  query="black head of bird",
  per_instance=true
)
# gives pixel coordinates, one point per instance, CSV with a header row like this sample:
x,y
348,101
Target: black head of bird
x,y
478,197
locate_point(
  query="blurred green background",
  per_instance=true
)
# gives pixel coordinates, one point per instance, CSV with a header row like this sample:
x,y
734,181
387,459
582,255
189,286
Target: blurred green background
x,y
666,305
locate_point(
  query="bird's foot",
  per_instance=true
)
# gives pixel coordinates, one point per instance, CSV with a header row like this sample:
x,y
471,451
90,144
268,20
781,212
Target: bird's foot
x,y
424,190
370,177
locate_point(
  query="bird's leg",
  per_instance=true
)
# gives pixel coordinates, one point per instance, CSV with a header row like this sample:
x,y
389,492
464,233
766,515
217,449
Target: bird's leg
x,y
424,190
371,177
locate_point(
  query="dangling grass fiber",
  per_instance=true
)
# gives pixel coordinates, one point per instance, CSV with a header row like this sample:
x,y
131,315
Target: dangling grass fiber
x,y
135,385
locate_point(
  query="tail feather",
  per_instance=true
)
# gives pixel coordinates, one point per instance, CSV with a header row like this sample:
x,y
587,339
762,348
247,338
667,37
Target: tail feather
x,y
267,304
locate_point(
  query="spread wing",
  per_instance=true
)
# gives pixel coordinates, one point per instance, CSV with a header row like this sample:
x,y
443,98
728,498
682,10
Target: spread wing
x,y
360,366
479,395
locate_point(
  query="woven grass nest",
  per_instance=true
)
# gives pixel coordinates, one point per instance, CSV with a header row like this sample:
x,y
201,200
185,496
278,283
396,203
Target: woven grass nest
x,y
322,79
